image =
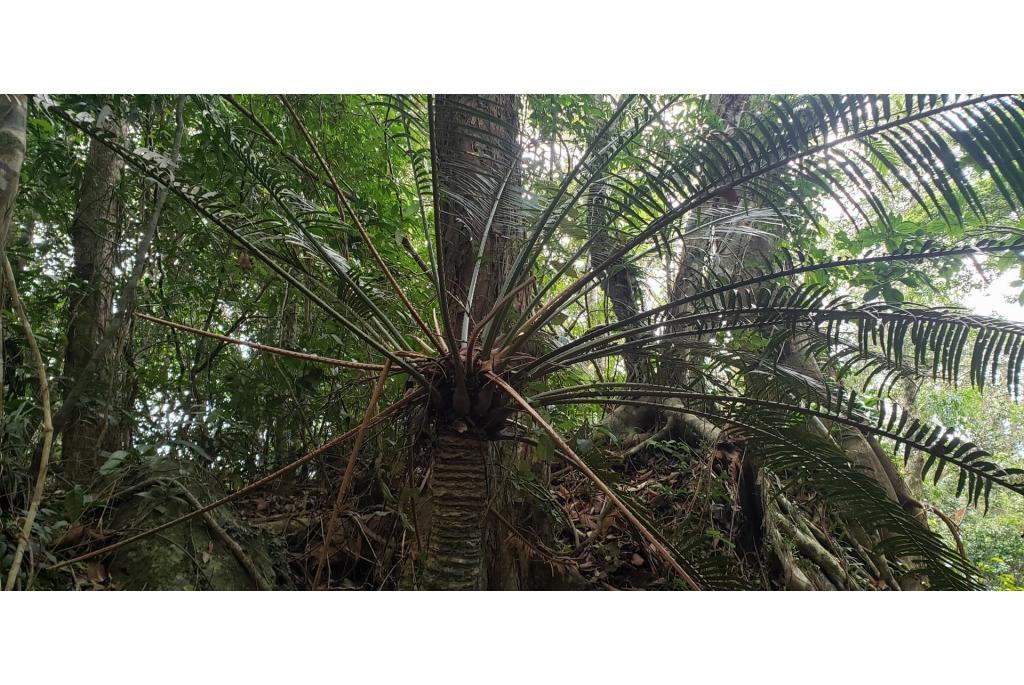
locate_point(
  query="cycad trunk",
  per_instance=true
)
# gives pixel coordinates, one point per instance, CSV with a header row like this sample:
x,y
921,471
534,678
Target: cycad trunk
x,y
459,494
93,428
476,138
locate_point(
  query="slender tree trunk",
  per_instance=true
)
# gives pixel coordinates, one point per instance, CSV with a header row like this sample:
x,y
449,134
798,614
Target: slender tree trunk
x,y
13,114
620,283
915,464
94,426
476,137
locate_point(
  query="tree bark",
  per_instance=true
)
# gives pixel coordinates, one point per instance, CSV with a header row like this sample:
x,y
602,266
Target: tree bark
x,y
477,146
13,114
93,427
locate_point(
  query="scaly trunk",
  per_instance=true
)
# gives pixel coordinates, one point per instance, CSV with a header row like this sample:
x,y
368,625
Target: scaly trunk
x,y
477,138
458,485
93,428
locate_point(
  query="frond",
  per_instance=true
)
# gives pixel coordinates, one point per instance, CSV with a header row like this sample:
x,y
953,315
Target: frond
x,y
802,458
716,287
888,421
784,446
775,158
306,226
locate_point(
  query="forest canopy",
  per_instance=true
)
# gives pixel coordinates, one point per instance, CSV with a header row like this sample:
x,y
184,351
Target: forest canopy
x,y
512,342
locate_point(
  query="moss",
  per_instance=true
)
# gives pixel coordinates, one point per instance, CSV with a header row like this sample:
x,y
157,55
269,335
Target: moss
x,y
188,556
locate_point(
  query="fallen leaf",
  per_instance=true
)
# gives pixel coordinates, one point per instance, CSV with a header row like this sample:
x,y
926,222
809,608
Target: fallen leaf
x,y
70,536
96,572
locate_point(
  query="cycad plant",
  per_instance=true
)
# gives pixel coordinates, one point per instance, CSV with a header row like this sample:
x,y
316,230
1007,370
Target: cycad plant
x,y
645,280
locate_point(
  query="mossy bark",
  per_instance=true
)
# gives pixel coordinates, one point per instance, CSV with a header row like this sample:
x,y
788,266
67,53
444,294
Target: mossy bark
x,y
13,113
189,556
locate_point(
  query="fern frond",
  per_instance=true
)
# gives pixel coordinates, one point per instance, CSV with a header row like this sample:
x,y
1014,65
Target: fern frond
x,y
794,142
888,421
785,267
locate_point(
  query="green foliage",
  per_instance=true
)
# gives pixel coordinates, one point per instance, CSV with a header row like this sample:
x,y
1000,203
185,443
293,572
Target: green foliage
x,y
804,225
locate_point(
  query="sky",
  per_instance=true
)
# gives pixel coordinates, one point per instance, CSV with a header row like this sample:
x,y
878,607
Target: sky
x,y
997,299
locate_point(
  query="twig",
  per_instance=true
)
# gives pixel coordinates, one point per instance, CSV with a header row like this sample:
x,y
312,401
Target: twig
x,y
346,479
248,488
981,272
44,400
954,529
307,356
576,461
407,244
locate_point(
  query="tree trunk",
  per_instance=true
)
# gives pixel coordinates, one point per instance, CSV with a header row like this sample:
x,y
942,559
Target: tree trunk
x,y
476,163
13,114
459,494
729,256
477,144
93,427
620,283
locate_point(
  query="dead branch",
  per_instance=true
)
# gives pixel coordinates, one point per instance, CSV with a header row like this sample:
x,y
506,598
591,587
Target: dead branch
x,y
346,479
306,356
